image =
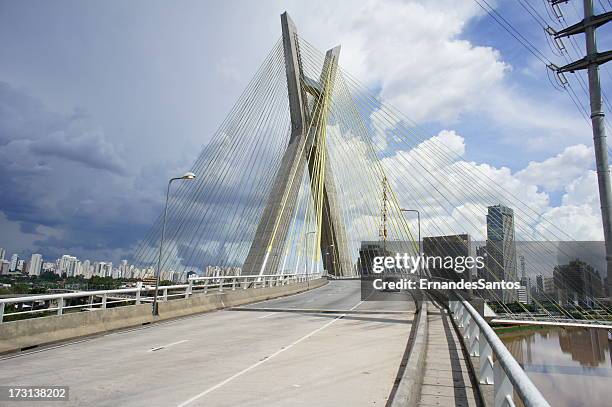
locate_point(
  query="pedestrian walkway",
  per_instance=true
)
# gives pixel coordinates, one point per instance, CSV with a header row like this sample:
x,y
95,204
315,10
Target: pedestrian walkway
x,y
447,381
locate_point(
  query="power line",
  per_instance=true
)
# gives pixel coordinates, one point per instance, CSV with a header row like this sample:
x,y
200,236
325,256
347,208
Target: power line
x,y
541,21
509,27
534,13
506,25
581,80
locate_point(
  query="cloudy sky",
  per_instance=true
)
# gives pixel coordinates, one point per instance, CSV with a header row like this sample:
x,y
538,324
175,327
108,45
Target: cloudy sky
x,y
101,102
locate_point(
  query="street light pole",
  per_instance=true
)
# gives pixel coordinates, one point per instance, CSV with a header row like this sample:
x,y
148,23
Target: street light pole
x,y
188,176
333,253
419,237
306,258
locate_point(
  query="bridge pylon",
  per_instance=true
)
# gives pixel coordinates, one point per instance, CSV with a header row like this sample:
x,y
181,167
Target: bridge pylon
x,y
307,144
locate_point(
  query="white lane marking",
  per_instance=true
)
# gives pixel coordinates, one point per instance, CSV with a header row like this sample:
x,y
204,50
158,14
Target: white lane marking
x,y
253,366
167,346
267,315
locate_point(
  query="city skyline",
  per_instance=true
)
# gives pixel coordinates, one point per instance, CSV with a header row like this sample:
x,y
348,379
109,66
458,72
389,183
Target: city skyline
x,y
374,202
71,266
76,131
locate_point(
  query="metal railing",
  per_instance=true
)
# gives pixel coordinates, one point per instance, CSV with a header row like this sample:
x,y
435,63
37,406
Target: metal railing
x,y
42,305
503,372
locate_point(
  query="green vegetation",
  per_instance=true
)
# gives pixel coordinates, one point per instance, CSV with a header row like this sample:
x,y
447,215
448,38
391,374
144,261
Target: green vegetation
x,y
514,307
51,281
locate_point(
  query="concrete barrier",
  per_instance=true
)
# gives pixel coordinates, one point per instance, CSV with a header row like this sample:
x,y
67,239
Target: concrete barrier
x,y
408,390
28,333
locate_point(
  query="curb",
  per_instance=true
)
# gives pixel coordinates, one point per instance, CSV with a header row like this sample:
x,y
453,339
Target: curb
x,y
409,389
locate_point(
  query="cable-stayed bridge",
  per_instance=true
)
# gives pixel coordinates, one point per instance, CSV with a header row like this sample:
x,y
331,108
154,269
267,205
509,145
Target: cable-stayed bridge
x,y
308,179
310,166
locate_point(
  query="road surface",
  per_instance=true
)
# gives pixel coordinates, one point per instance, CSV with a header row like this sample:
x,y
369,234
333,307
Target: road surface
x,y
235,357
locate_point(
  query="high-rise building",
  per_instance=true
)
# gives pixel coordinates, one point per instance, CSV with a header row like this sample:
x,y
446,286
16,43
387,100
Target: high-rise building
x,y
578,283
180,277
454,246
97,268
371,249
4,266
481,251
86,269
35,265
48,267
103,269
523,295
540,283
501,251
67,265
549,285
367,253
525,289
125,269
14,261
78,268
220,271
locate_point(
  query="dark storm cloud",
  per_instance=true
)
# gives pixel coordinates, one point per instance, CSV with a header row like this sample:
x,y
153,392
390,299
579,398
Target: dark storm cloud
x,y
53,167
90,149
25,120
151,81
23,116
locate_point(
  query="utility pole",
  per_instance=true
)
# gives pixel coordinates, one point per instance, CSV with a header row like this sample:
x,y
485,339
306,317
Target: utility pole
x,y
383,214
591,63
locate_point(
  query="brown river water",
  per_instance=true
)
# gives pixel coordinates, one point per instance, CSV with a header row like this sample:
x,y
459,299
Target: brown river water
x,y
570,366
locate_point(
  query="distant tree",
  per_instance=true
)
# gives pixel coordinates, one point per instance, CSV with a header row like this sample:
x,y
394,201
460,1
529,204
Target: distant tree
x,y
49,276
103,283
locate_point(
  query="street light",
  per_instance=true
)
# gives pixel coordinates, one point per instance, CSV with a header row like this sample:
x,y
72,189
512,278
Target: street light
x,y
419,231
333,253
186,176
306,258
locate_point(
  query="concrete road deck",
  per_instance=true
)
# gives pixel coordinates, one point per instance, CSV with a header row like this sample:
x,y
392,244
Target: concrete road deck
x,y
447,381
229,358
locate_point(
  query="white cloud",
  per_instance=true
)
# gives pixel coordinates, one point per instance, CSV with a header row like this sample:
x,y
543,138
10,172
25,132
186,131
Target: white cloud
x,y
582,190
453,194
580,222
412,51
579,213
427,152
413,54
556,172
